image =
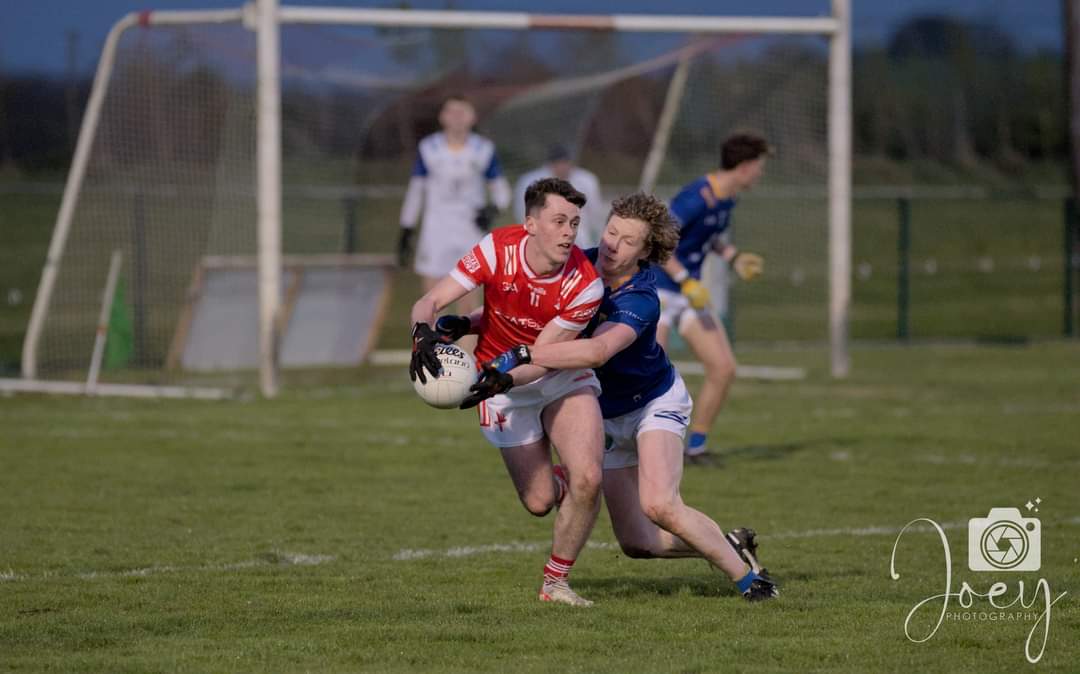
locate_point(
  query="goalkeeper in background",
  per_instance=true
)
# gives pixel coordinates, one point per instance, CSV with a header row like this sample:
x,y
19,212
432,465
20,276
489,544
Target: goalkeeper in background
x,y
453,172
703,209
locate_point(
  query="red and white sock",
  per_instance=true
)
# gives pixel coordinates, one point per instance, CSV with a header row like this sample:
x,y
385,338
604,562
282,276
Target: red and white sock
x,y
557,569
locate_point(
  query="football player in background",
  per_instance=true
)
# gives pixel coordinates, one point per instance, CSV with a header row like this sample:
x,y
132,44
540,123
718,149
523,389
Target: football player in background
x,y
644,402
560,164
703,210
453,171
538,288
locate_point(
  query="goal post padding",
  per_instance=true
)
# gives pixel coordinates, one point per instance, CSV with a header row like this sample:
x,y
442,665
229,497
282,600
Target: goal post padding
x,y
333,307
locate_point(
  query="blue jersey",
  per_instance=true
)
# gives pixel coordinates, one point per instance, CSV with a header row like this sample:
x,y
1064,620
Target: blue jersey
x,y
703,217
641,372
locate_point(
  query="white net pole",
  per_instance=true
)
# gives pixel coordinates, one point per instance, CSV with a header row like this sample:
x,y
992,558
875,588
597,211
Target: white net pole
x,y
663,128
840,188
268,158
81,159
71,196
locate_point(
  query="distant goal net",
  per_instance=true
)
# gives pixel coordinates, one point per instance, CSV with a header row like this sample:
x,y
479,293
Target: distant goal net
x,y
166,171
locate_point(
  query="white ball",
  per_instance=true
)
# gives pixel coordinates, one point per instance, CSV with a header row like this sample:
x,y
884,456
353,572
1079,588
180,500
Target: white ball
x,y
452,386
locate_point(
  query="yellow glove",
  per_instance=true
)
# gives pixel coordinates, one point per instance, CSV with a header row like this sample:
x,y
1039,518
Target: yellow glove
x,y
696,292
747,265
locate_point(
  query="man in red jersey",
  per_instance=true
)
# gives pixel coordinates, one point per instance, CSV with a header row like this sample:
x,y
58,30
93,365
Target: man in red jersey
x,y
538,288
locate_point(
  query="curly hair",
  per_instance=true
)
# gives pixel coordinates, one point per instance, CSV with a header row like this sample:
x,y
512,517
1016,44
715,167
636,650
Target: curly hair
x,y
663,231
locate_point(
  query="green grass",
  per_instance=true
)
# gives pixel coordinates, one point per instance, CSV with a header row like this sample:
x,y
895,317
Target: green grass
x,y
159,536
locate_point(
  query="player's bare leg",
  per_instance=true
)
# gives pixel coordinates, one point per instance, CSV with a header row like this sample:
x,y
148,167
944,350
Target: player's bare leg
x,y
531,472
677,530
710,344
574,424
638,536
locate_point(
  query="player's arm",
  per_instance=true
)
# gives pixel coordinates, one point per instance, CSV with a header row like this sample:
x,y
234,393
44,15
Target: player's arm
x,y
500,192
610,339
498,184
688,207
519,197
512,368
695,290
425,338
499,187
472,270
444,293
523,364
411,209
632,315
675,269
552,334
746,264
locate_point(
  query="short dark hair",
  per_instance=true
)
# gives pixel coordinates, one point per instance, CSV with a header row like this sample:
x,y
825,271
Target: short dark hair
x,y
663,231
558,152
536,193
742,147
455,98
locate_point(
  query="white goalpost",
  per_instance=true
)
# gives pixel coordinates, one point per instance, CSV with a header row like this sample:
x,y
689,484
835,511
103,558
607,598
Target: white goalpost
x,y
241,132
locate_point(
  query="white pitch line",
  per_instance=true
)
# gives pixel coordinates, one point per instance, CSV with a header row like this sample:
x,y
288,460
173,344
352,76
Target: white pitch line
x,y
409,554
280,559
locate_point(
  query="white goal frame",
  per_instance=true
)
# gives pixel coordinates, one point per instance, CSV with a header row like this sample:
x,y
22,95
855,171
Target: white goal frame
x,y
266,16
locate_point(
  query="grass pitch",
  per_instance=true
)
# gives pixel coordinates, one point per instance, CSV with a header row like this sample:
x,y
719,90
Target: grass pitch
x,y
349,528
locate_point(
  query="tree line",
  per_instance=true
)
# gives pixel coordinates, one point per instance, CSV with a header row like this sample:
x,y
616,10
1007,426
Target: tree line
x,y
952,91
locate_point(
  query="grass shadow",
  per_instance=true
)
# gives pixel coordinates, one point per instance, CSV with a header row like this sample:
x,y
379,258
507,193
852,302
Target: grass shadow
x,y
624,587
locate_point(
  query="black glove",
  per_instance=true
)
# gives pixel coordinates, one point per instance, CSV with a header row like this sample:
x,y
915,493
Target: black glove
x,y
491,383
404,245
452,328
424,341
496,377
485,217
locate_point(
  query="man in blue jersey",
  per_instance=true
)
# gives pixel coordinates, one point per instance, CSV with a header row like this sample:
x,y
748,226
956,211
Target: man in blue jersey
x,y
644,402
703,209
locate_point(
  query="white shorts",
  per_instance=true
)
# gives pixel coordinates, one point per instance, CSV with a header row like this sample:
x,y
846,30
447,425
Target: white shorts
x,y
670,412
675,309
442,244
513,418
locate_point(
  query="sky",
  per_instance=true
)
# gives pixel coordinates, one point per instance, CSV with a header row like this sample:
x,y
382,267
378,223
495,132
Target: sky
x,y
33,33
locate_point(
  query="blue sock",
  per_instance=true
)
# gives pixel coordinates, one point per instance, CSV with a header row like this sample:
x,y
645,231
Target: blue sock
x,y
744,583
696,445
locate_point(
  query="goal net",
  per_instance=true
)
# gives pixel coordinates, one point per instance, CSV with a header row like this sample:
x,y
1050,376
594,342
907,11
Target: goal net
x,y
168,176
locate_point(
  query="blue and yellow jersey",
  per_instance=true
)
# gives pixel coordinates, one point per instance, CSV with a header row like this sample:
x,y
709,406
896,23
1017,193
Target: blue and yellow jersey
x,y
702,217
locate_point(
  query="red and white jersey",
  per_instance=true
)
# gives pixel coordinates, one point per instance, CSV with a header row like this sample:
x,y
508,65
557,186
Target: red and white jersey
x,y
517,302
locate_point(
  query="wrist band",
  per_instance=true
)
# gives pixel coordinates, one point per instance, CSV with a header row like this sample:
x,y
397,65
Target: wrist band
x,y
681,276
